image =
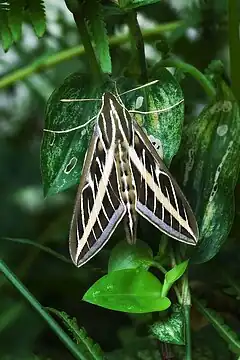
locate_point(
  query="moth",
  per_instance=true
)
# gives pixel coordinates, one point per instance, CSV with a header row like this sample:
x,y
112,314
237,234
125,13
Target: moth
x,y
123,177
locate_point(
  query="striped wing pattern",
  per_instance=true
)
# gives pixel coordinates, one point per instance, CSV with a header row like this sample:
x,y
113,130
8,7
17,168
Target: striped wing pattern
x,y
160,200
98,208
123,176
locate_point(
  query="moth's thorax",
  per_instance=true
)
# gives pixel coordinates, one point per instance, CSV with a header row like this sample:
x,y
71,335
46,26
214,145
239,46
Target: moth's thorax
x,y
114,120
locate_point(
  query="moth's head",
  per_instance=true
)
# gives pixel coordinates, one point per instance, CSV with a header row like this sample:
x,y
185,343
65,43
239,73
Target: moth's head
x,y
110,103
107,97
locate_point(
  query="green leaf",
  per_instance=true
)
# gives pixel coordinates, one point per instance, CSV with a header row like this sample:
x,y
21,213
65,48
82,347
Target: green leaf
x,y
125,256
210,154
12,14
96,23
132,4
6,36
62,155
170,330
133,291
84,342
37,16
164,128
15,18
218,323
173,275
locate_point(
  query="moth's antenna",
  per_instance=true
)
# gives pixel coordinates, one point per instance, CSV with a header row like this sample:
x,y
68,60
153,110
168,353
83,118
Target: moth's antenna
x,y
156,111
139,87
73,129
72,100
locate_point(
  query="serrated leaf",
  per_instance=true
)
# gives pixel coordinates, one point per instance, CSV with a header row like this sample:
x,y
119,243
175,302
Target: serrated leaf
x,y
218,323
97,26
170,330
210,154
37,16
125,256
133,4
15,18
173,275
133,291
85,343
6,36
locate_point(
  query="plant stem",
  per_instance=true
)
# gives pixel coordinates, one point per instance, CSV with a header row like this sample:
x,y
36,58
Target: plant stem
x,y
81,25
40,247
198,75
186,302
37,306
188,347
52,60
234,45
137,45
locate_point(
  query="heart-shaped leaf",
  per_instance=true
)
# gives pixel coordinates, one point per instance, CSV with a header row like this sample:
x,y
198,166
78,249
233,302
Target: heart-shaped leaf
x,y
133,291
125,256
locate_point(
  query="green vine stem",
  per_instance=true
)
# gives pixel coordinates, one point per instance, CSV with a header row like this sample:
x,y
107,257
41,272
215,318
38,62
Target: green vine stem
x,y
234,45
37,306
137,45
198,75
186,301
79,19
40,247
52,60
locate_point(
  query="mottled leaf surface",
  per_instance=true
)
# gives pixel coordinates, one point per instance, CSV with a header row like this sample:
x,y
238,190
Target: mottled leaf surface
x,y
170,330
62,155
163,128
210,167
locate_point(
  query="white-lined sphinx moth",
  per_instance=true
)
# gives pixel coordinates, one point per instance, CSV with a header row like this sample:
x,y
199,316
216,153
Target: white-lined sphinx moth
x,y
123,177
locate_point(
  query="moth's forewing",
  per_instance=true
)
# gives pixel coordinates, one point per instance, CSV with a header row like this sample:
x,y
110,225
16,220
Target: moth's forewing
x,y
160,199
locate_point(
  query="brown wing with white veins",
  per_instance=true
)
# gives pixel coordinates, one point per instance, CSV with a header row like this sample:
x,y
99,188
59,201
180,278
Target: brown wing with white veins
x,y
98,208
160,200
